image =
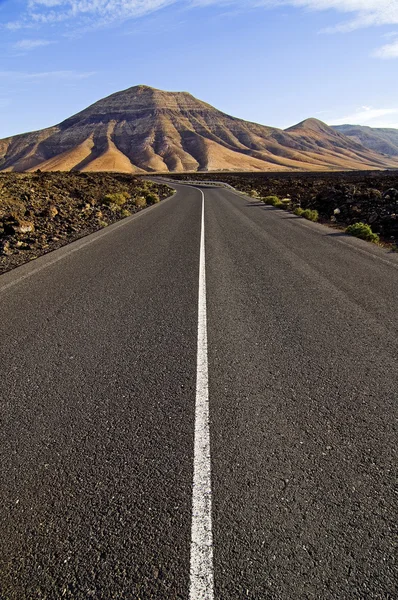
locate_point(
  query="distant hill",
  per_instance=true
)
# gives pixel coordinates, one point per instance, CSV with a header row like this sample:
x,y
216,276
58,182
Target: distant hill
x,y
384,141
147,130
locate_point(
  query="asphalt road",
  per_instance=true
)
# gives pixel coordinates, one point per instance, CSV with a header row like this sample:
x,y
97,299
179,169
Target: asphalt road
x,y
99,358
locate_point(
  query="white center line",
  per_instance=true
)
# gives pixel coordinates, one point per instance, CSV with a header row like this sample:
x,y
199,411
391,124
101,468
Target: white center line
x,y
202,579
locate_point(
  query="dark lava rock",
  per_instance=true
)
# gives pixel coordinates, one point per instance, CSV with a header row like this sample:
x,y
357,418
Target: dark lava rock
x,y
368,196
40,212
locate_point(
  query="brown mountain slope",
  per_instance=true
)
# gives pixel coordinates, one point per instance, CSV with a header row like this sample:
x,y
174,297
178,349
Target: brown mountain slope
x,y
336,147
382,140
147,130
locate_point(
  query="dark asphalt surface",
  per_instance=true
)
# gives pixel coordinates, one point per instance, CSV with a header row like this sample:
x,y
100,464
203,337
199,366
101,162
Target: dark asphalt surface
x,y
98,368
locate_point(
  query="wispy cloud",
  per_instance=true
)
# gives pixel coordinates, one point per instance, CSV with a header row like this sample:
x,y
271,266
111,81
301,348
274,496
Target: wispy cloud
x,y
391,34
363,13
60,75
387,51
368,115
41,12
31,44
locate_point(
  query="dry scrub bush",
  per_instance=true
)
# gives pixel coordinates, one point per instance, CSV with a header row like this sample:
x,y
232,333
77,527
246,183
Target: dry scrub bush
x,y
140,202
363,231
152,198
118,199
310,215
272,201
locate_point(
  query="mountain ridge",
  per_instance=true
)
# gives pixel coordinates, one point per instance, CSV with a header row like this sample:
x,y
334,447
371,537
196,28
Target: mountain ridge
x,y
146,130
380,139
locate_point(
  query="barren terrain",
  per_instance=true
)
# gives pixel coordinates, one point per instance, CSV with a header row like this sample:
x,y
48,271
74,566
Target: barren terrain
x,y
43,211
340,198
379,139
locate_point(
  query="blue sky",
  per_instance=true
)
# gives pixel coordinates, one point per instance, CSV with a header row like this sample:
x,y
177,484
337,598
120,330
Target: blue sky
x,y
275,62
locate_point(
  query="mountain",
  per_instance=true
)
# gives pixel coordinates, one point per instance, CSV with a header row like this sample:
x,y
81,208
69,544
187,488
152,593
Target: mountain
x,y
147,130
384,141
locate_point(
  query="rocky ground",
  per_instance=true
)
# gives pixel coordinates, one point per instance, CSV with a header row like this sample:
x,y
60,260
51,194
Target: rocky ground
x,y
40,212
340,198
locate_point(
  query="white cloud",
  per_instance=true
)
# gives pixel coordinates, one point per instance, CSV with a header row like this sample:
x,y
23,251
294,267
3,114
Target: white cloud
x,y
368,115
390,34
31,44
363,12
52,11
387,51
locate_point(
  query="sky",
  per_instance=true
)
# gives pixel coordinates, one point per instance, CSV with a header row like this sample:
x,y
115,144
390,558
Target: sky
x,y
274,62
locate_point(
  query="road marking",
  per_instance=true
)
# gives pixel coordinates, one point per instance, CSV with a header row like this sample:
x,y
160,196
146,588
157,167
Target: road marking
x,y
202,578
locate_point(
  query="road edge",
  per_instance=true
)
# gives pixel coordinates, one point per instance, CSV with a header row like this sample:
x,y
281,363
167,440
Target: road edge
x,y
26,270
